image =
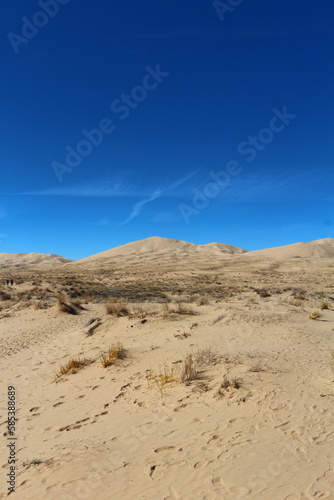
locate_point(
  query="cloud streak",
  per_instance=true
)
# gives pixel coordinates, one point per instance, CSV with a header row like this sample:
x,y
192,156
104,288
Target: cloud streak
x,y
137,207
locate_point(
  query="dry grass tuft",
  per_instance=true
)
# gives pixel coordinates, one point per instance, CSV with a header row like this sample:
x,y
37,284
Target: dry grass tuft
x,y
162,379
168,310
118,308
314,314
71,367
203,301
183,308
324,304
189,370
207,357
114,352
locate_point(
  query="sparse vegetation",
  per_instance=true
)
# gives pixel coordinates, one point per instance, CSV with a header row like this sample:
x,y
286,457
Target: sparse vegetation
x,y
162,379
5,295
189,370
203,301
170,310
207,357
263,292
227,385
324,304
69,308
315,314
114,353
72,366
118,307
36,462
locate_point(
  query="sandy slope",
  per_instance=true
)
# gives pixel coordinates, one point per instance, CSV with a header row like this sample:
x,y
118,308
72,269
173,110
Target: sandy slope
x,y
159,247
108,433
169,250
28,260
319,248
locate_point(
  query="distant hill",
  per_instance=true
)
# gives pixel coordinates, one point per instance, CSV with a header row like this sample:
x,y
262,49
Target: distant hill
x,y
168,250
157,246
27,260
319,248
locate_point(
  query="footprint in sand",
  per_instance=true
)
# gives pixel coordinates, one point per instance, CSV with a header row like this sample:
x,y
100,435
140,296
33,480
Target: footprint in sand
x,y
57,404
164,448
179,408
218,481
201,464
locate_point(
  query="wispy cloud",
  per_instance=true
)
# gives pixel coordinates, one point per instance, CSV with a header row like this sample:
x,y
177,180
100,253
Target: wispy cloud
x,y
137,207
158,193
123,185
271,187
184,179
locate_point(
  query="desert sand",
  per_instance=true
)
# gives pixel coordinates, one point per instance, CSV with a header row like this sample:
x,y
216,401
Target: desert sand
x,y
224,389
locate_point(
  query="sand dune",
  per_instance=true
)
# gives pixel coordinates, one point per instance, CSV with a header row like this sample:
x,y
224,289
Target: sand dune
x,y
27,260
154,246
167,250
323,248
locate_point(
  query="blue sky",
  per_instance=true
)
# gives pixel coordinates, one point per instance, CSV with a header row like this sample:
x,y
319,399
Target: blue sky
x,y
190,120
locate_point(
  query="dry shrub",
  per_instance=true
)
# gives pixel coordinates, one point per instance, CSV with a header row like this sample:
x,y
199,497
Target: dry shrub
x,y
36,462
188,371
227,385
203,301
118,308
324,304
72,366
314,314
296,302
207,357
114,352
166,310
5,295
183,308
263,292
299,294
42,304
179,308
65,307
141,311
162,379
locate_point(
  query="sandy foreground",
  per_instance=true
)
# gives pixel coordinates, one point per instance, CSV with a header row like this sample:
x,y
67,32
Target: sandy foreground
x,y
256,423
